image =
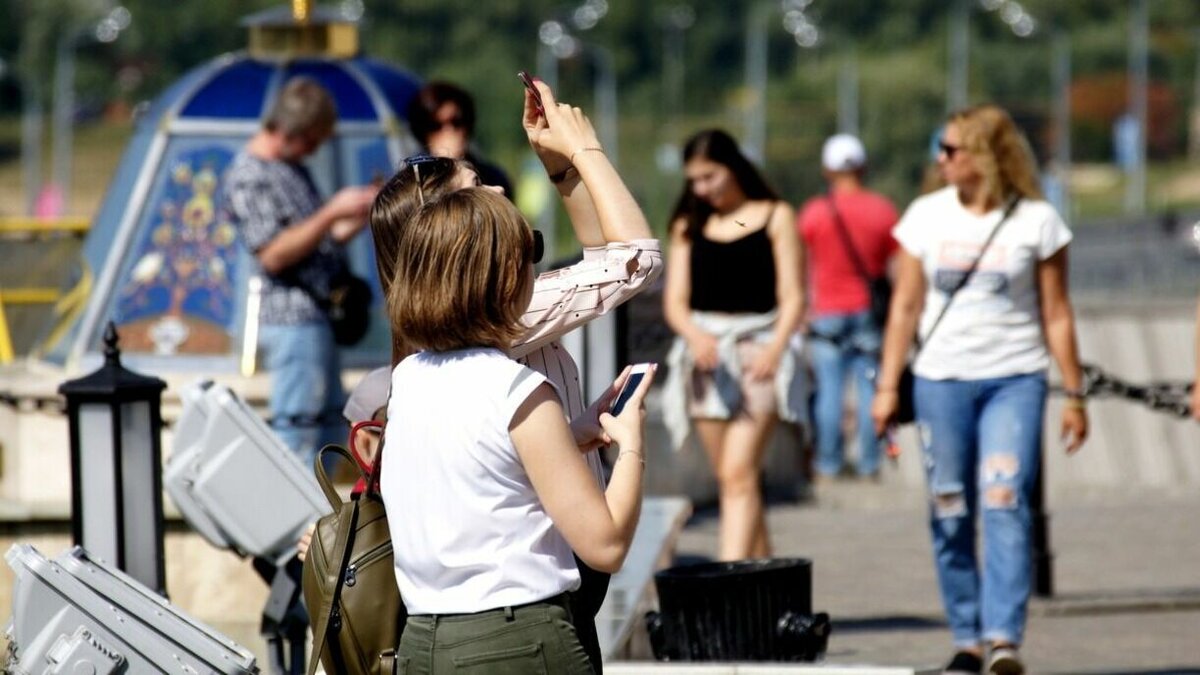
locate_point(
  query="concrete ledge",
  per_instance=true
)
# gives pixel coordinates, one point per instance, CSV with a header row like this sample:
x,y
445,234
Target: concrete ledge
x,y
656,668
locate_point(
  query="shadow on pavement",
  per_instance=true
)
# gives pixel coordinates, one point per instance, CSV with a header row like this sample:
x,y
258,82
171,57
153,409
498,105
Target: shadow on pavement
x,y
873,624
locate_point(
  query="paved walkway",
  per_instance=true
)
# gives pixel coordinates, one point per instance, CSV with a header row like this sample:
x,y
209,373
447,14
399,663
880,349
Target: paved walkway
x,y
1127,578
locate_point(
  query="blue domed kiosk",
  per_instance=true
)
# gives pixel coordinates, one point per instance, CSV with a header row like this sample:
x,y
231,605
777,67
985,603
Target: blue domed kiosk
x,y
162,260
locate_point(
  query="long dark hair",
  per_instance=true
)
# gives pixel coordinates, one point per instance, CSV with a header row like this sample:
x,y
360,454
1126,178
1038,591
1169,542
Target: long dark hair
x,y
717,146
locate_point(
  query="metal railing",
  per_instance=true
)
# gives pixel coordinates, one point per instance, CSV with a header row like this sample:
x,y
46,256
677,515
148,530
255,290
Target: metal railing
x,y
30,292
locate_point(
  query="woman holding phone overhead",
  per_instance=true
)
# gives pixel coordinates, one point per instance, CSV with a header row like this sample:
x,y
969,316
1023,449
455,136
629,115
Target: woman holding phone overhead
x,y
620,259
479,458
734,298
983,271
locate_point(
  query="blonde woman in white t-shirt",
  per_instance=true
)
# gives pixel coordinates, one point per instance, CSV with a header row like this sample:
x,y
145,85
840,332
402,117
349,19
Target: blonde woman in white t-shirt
x,y
980,387
487,489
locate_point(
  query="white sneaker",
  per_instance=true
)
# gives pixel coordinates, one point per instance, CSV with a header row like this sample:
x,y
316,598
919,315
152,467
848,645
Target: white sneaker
x,y
1005,661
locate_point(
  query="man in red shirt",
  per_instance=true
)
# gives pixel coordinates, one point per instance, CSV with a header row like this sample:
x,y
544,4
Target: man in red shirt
x,y
848,236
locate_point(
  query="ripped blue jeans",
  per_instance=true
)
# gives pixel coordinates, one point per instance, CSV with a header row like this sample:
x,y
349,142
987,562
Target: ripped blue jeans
x,y
982,445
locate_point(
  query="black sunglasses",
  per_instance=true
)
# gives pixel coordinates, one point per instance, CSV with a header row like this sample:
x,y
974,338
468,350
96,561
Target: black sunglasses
x,y
539,247
945,147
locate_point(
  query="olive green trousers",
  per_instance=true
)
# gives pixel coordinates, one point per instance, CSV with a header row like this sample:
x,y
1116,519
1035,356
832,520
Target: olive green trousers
x,y
525,640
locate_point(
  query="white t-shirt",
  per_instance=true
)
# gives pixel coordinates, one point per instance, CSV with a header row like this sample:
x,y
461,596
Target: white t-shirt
x,y
993,327
468,531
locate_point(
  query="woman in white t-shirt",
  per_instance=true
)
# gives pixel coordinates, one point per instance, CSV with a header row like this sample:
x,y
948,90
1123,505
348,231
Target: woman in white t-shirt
x,y
486,489
980,388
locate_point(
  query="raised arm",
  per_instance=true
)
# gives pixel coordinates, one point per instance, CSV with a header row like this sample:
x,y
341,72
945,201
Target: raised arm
x,y
1058,323
600,206
298,241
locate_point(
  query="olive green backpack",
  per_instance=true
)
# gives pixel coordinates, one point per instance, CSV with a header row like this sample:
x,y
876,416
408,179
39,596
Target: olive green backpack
x,y
349,582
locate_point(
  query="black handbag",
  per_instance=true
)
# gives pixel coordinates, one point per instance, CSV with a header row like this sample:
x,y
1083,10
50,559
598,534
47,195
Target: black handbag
x,y
906,412
878,288
347,307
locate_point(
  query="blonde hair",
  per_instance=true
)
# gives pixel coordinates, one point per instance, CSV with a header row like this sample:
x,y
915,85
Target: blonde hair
x,y
1001,152
461,273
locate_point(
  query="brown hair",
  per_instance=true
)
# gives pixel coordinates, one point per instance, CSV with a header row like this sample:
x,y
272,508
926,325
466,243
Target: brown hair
x,y
303,106
422,109
1001,152
396,203
461,273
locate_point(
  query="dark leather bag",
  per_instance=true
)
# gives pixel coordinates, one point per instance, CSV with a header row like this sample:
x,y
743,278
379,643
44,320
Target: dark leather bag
x,y
878,288
349,309
349,582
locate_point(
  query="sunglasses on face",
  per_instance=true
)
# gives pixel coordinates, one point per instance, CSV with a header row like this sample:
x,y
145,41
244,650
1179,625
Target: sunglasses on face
x,y
455,122
947,149
539,247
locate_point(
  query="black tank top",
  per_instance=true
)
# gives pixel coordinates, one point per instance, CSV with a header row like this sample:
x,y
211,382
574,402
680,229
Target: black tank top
x,y
734,276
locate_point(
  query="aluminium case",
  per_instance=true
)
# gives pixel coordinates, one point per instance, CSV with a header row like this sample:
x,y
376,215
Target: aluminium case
x,y
242,479
179,474
74,614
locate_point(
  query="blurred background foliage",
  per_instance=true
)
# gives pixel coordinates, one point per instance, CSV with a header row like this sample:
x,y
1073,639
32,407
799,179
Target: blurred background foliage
x,y
899,49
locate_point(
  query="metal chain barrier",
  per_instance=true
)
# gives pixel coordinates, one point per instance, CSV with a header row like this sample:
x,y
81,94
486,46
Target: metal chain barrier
x,y
1172,398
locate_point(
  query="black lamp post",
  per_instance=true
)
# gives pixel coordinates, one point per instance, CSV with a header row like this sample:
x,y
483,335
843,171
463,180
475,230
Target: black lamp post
x,y
116,466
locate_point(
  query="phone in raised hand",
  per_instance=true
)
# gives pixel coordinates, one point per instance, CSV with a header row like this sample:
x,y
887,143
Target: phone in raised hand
x,y
636,374
527,79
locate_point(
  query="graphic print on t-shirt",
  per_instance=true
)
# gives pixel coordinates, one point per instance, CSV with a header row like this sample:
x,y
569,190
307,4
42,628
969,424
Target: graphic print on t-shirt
x,y
954,259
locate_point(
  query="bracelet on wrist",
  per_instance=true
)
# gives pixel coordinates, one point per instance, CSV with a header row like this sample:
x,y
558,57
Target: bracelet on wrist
x,y
1075,403
595,149
635,453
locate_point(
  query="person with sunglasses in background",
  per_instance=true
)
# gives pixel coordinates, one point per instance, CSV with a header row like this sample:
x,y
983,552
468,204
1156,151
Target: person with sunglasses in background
x,y
981,291
620,259
442,118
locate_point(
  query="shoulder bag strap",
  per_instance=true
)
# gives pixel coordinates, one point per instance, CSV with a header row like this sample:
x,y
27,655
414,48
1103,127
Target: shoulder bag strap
x,y
844,233
335,572
1008,211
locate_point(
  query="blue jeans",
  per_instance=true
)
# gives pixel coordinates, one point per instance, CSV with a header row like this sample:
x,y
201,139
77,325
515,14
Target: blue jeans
x,y
842,345
982,446
306,386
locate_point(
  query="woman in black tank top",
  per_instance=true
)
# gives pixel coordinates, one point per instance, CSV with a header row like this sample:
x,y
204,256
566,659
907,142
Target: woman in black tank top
x,y
734,298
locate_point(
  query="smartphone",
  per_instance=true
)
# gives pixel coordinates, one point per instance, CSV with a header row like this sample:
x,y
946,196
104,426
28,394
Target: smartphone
x,y
527,79
636,375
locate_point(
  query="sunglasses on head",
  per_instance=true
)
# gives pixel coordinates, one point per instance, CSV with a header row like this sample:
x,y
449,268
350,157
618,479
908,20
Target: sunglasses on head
x,y
948,149
425,162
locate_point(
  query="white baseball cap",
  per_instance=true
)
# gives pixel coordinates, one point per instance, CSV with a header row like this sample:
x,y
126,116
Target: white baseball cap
x,y
369,395
843,152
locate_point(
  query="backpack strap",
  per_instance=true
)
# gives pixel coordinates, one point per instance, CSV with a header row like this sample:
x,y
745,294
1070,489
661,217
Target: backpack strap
x,y
335,572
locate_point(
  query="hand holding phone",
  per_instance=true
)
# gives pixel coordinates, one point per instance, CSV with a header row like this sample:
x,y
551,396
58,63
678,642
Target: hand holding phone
x,y
527,79
636,374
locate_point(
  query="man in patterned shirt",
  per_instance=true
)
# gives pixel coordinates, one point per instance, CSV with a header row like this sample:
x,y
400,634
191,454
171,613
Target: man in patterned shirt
x,y
297,241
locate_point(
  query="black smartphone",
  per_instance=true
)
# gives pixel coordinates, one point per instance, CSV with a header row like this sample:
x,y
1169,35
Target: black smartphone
x,y
636,374
527,79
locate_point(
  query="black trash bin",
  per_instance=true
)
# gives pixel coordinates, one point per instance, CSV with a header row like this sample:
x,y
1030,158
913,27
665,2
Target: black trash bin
x,y
749,610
